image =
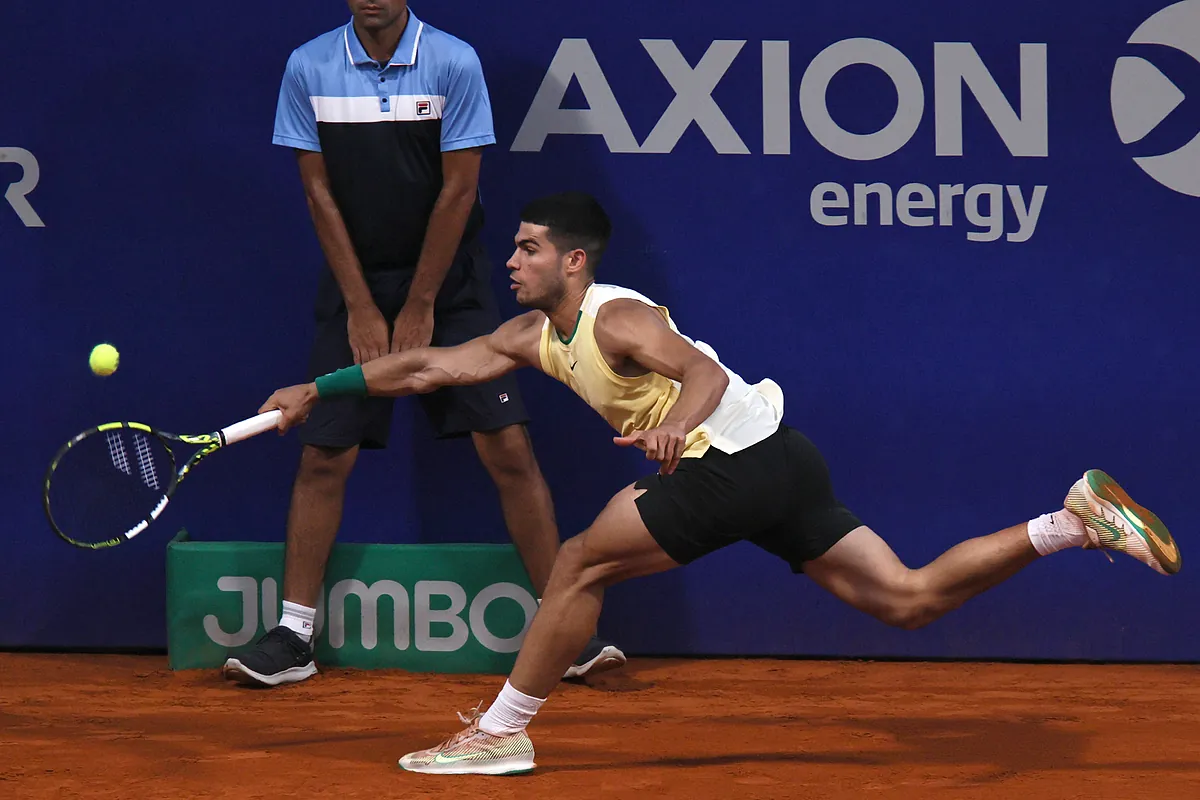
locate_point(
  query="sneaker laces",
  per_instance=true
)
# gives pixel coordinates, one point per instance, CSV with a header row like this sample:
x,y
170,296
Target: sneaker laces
x,y
293,643
1093,543
471,720
472,716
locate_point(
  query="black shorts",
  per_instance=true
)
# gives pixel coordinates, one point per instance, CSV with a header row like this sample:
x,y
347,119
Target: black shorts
x,y
775,494
465,308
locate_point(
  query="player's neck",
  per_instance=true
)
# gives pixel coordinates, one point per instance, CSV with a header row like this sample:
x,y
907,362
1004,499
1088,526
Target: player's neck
x,y
565,316
381,44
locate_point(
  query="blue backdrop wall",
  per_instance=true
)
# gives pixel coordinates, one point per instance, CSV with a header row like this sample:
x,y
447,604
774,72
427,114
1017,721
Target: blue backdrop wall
x,y
1009,303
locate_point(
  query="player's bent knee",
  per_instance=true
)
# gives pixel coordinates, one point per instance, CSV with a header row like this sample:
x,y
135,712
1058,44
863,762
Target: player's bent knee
x,y
907,617
908,604
570,557
575,567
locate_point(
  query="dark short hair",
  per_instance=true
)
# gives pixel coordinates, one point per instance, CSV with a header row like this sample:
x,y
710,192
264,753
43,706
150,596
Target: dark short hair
x,y
576,222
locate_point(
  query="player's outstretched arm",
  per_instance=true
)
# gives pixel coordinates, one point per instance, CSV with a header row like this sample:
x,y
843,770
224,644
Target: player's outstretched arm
x,y
511,346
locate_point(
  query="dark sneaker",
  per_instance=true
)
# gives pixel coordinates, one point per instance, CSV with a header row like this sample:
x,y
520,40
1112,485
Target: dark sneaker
x,y
598,656
280,656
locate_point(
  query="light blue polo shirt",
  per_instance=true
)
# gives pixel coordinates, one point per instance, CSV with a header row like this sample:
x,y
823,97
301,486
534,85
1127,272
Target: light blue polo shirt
x,y
382,129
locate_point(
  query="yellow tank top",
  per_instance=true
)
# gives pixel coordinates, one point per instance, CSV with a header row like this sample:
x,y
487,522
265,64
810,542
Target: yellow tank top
x,y
746,415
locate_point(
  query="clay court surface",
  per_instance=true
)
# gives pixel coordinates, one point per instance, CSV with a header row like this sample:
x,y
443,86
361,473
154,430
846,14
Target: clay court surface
x,y
127,727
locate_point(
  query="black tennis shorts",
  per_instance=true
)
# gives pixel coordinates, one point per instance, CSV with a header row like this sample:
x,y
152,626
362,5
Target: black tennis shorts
x,y
465,308
776,494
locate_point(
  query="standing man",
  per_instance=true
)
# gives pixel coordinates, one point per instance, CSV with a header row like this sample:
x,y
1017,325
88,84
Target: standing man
x,y
388,117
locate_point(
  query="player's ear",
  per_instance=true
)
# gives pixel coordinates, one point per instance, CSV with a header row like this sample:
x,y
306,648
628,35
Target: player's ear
x,y
576,261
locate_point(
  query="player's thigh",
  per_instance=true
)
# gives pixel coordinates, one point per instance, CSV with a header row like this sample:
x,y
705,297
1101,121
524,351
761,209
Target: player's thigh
x,y
862,570
617,546
815,520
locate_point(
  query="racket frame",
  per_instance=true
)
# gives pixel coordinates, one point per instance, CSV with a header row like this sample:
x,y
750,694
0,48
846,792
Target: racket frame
x,y
208,443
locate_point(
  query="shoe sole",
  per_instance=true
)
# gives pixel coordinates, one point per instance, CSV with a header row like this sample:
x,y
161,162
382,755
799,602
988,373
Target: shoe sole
x,y
608,658
1128,527
519,765
238,672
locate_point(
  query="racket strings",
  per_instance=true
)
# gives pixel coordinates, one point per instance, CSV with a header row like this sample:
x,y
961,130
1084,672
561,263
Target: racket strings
x,y
116,450
145,459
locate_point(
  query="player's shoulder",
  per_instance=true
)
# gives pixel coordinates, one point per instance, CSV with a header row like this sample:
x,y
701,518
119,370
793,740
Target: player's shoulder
x,y
625,320
520,337
520,326
622,317
524,323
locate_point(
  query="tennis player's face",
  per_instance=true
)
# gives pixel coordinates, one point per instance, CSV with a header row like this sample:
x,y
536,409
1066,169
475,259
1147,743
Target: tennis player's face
x,y
537,269
377,14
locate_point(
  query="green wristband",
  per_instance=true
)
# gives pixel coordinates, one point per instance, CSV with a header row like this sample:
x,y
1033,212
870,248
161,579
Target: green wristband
x,y
347,381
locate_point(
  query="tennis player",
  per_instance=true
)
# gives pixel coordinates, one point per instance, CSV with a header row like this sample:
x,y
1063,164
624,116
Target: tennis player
x,y
728,470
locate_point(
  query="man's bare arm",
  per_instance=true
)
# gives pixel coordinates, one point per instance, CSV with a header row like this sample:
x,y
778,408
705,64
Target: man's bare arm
x,y
511,346
632,330
366,328
331,230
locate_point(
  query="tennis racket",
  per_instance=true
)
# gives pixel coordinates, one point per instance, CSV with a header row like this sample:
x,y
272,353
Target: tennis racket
x,y
108,484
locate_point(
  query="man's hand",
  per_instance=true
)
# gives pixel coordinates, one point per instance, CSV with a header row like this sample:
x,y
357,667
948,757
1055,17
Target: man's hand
x,y
368,333
664,444
295,402
414,326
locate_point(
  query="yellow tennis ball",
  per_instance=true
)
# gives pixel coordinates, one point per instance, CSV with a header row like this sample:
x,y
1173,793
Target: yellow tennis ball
x,y
104,359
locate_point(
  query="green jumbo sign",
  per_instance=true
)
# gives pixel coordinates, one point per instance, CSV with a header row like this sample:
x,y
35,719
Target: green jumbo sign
x,y
454,608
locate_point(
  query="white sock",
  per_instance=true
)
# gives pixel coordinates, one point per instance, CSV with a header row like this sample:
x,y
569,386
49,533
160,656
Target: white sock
x,y
298,619
1050,533
511,712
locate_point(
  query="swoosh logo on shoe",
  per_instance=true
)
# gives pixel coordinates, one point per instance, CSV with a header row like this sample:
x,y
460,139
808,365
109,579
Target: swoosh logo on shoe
x,y
1114,524
441,759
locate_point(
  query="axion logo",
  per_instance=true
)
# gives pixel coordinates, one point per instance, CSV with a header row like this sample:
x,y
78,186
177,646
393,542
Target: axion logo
x,y
1142,96
993,210
17,192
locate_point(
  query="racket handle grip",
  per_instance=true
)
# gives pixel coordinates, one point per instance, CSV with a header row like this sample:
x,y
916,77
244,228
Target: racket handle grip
x,y
251,427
